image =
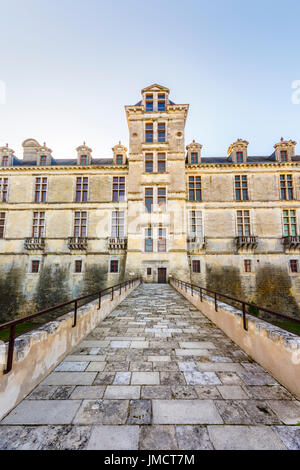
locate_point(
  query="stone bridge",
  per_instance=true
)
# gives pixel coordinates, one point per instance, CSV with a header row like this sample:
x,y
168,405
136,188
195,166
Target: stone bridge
x,y
155,374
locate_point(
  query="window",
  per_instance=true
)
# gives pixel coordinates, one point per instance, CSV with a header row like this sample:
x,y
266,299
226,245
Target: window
x,y
162,241
239,157
80,224
286,187
195,188
247,265
119,188
149,102
2,224
82,186
38,224
114,266
196,266
194,157
161,198
83,160
149,240
149,199
3,189
161,132
243,223
43,160
289,223
149,132
78,266
35,265
5,161
119,159
294,265
40,190
161,163
117,229
161,105
149,271
196,227
283,156
149,163
241,188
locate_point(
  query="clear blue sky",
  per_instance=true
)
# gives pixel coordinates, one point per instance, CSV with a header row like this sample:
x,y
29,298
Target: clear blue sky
x,y
70,66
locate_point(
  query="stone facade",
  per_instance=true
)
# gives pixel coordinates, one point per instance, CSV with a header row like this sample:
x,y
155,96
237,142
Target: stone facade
x,y
157,210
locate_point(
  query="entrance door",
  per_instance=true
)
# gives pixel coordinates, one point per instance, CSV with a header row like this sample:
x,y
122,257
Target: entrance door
x,y
162,275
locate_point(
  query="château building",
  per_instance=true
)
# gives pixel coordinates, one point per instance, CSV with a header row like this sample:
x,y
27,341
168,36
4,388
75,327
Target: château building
x,y
157,209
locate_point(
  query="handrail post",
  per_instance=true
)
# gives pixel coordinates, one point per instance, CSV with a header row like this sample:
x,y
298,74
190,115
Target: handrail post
x,y
244,317
112,293
75,313
216,304
99,303
120,288
10,352
201,294
192,289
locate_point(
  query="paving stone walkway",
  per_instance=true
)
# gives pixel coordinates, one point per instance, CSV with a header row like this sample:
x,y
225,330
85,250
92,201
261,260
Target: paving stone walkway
x,y
156,374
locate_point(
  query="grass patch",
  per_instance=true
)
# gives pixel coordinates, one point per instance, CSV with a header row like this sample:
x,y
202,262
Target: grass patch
x,y
288,325
21,328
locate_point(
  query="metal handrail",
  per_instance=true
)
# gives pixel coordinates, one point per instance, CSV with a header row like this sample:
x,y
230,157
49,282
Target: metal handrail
x,y
12,324
194,288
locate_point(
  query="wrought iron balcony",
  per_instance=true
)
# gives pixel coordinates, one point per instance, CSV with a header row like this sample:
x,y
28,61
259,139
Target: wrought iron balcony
x,y
34,243
77,243
117,243
195,243
291,241
246,241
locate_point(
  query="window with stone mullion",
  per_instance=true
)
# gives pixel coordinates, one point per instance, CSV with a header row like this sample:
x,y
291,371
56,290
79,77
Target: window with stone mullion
x,y
118,224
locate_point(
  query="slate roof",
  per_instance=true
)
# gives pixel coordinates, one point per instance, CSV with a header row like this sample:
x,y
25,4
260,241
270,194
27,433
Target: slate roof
x,y
65,162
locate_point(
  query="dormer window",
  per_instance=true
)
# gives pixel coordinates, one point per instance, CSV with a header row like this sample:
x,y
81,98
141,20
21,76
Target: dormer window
x,y
285,150
43,160
5,161
83,160
239,157
161,132
238,151
284,156
194,153
149,132
120,156
161,104
194,157
119,159
149,102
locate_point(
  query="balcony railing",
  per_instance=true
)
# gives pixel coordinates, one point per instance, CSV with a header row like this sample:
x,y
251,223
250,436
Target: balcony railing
x,y
77,243
195,243
291,241
34,243
246,241
117,243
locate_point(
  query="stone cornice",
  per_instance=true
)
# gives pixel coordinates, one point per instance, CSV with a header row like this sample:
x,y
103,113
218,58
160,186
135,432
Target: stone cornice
x,y
64,168
241,165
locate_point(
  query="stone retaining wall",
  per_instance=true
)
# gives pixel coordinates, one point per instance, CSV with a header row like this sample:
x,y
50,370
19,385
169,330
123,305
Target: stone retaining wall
x,y
276,350
38,352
